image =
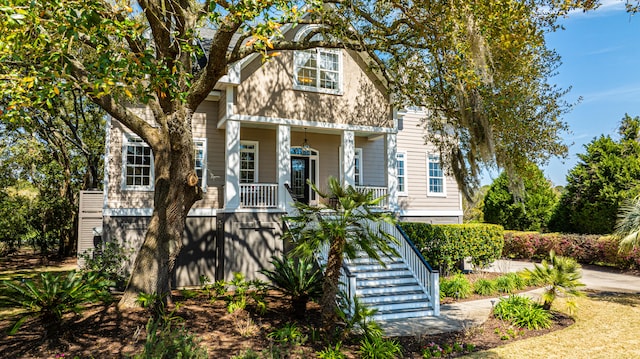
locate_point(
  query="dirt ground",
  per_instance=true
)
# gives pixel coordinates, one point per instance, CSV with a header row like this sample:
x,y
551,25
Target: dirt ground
x,y
102,331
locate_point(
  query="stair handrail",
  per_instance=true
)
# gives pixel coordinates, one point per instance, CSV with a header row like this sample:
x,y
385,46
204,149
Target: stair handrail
x,y
428,277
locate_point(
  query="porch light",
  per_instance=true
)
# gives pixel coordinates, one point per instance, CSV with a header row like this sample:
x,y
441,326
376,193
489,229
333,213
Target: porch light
x,y
305,144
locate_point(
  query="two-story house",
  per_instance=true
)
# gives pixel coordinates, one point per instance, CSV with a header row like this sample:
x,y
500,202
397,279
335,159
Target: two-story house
x,y
302,115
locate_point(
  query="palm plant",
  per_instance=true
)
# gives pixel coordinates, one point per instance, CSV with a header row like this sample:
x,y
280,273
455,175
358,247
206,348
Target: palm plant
x,y
351,226
296,278
52,296
628,226
560,275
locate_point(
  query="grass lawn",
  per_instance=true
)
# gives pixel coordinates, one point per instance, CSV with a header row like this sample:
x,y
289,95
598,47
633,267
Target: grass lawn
x,y
606,327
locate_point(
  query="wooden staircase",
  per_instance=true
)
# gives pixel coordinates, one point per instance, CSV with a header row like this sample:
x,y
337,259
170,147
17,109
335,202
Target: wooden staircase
x,y
390,287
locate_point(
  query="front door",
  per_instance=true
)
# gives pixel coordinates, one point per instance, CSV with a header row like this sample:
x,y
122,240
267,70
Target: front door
x,y
299,176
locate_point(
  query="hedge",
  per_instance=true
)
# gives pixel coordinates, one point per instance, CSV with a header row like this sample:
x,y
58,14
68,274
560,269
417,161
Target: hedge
x,y
446,245
586,249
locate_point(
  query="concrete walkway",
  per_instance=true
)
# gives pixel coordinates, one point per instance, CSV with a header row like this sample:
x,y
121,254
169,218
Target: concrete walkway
x,y
462,315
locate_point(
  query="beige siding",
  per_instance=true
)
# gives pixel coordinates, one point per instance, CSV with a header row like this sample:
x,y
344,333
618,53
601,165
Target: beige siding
x,y
411,141
267,90
374,160
204,126
266,138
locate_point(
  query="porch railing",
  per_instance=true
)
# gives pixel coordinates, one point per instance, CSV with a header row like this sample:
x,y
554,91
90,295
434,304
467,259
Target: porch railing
x,y
377,192
259,195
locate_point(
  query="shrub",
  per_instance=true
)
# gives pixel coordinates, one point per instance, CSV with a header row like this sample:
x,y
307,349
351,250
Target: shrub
x,y
379,348
445,246
457,286
331,352
587,249
522,312
298,279
484,287
238,293
354,313
167,338
518,280
505,284
109,263
52,296
289,334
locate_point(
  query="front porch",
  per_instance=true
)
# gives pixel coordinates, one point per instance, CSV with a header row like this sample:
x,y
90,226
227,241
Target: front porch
x,y
265,195
261,160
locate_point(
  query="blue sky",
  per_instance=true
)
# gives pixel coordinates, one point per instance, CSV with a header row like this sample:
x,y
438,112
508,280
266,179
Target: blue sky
x,y
600,53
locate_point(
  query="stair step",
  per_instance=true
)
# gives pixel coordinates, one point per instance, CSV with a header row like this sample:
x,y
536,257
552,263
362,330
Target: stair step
x,y
370,275
377,267
386,290
382,282
402,305
375,299
399,314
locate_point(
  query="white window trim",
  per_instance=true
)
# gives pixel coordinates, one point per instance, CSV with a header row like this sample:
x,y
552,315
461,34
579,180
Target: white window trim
x,y
204,160
405,176
317,88
127,139
358,155
256,150
444,179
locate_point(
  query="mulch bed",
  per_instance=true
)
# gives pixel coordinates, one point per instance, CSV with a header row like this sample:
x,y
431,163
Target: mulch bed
x,y
106,332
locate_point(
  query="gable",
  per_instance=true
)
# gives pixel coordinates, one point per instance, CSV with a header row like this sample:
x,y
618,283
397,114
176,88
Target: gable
x,y
268,89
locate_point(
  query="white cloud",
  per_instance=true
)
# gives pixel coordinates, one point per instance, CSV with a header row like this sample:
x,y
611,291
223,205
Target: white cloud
x,y
616,93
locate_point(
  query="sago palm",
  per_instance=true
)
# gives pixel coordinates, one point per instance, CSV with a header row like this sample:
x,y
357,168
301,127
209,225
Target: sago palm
x,y
350,227
628,226
560,275
297,278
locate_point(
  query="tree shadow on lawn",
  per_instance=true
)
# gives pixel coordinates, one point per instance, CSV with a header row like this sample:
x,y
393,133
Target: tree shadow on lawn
x,y
628,299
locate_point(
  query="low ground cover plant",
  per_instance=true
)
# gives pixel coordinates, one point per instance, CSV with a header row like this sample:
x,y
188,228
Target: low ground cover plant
x,y
50,296
522,312
456,286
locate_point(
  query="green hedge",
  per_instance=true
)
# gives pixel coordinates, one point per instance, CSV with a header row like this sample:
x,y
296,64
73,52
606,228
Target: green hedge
x,y
584,248
446,245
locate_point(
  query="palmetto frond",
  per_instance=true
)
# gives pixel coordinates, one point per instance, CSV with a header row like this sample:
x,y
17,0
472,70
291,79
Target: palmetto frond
x,y
628,226
560,275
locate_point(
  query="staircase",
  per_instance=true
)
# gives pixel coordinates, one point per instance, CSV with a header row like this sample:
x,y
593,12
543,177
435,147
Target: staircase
x,y
393,289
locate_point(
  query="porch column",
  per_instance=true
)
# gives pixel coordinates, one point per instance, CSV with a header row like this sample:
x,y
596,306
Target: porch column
x,y
232,173
392,175
348,158
283,147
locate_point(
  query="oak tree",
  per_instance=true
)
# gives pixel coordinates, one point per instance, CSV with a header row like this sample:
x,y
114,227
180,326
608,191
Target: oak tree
x,y
481,68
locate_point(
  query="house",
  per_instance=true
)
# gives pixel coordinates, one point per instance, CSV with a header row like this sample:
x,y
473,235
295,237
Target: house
x,y
303,115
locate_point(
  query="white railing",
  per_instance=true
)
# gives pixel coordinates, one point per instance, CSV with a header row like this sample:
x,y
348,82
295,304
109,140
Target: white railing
x,y
258,195
377,193
427,277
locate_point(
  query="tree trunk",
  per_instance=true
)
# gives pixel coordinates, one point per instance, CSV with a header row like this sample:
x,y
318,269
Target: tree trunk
x,y
175,193
330,285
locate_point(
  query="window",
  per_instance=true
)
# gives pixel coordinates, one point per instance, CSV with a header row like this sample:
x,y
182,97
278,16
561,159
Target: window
x,y
248,162
357,171
401,172
200,160
435,176
138,164
318,70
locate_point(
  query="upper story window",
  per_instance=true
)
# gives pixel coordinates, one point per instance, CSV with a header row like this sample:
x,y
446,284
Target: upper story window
x,y
318,70
435,181
137,164
248,162
401,172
